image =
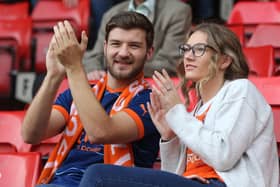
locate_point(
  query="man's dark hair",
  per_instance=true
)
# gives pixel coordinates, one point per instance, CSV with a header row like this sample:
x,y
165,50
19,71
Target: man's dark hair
x,y
131,20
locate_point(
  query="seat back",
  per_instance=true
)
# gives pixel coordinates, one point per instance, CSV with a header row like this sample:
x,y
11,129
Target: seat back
x,y
17,34
7,56
19,169
266,35
78,16
260,60
250,14
17,10
43,22
10,138
239,32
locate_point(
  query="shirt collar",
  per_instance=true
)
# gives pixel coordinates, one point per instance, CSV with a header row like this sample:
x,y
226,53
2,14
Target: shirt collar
x,y
147,8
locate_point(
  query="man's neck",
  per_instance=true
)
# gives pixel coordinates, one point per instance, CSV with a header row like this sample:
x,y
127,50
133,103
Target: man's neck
x,y
114,83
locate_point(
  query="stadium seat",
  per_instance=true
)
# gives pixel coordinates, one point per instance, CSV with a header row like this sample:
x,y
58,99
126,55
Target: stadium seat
x,y
16,34
239,31
17,10
10,136
260,60
43,22
267,34
43,19
269,87
19,169
15,37
253,13
7,56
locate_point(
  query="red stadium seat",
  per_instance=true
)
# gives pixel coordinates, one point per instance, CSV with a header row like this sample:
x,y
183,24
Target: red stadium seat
x,y
17,10
19,169
10,136
43,22
7,56
260,60
267,35
239,31
15,45
251,14
269,87
17,34
43,19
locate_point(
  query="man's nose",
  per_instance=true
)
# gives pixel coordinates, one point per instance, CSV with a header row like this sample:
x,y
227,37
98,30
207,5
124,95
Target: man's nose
x,y
123,50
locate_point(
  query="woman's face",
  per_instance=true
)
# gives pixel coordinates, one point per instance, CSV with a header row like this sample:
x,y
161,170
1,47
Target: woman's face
x,y
197,56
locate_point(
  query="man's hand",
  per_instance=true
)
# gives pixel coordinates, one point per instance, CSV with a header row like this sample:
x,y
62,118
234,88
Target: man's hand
x,y
68,50
54,68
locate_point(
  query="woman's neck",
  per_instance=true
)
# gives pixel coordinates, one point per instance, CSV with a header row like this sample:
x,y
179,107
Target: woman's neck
x,y
211,88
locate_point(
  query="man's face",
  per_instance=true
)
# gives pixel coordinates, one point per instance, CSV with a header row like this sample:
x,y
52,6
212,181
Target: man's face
x,y
126,53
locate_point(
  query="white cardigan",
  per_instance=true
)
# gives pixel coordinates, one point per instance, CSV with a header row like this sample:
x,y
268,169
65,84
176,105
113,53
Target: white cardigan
x,y
237,137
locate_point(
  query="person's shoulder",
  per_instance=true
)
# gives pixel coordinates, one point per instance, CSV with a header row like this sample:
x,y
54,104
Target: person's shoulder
x,y
241,88
174,4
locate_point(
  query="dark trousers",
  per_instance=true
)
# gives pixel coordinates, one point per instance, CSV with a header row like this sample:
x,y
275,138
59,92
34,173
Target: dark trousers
x,y
100,175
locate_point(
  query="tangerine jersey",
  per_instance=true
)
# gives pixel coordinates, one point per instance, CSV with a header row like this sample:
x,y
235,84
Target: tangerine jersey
x,y
85,153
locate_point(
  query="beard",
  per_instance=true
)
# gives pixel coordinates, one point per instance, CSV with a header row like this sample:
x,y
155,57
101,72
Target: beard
x,y
136,69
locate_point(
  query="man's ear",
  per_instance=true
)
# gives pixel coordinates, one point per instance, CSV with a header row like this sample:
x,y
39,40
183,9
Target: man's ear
x,y
150,53
225,62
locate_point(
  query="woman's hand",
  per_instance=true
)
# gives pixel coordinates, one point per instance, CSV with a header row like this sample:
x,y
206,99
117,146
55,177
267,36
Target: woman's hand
x,y
158,117
166,90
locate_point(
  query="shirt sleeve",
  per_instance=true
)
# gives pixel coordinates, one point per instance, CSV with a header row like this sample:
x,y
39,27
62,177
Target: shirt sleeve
x,y
137,109
64,101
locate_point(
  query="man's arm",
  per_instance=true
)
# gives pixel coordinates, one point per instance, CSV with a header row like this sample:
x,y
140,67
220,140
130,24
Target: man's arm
x,y
41,121
99,126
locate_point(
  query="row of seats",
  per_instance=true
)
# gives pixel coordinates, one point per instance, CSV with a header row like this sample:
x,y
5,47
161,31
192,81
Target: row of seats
x,y
24,38
257,24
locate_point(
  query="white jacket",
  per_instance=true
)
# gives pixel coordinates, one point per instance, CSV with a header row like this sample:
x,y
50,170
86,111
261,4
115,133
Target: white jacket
x,y
237,137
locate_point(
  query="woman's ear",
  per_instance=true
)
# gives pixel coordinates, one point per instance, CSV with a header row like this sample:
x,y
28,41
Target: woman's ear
x,y
225,62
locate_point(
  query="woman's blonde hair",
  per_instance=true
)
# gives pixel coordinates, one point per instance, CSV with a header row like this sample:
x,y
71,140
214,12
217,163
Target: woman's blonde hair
x,y
225,42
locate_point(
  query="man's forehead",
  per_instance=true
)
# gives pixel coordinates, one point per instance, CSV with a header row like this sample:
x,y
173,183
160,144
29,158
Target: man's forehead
x,y
135,34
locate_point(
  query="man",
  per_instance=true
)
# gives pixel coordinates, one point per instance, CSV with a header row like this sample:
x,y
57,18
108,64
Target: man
x,y
171,20
112,112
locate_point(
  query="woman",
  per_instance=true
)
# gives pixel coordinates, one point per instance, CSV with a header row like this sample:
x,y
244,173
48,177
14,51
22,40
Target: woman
x,y
228,139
